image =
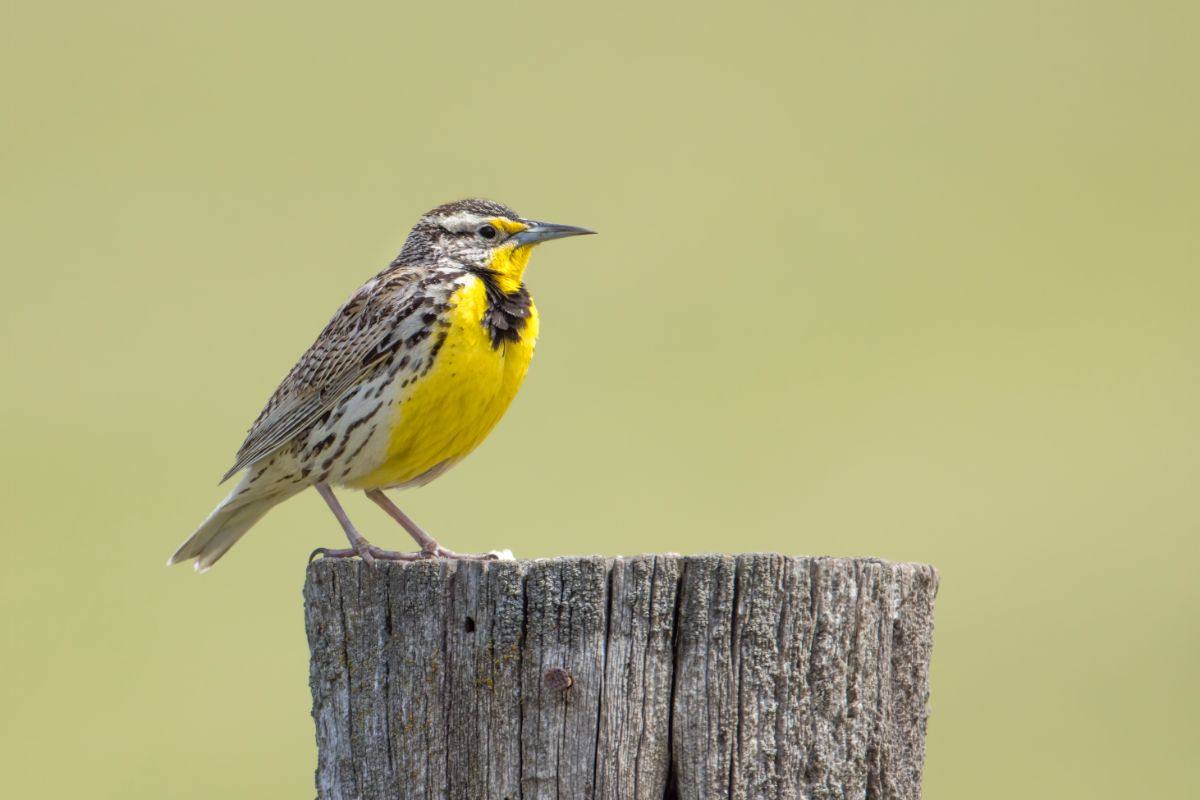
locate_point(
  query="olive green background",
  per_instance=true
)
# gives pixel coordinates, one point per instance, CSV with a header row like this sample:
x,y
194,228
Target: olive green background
x,y
910,280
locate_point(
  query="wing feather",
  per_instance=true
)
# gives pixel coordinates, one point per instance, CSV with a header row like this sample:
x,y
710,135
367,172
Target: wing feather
x,y
359,336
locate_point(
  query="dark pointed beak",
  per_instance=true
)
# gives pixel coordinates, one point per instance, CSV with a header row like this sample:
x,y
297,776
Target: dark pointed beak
x,y
539,232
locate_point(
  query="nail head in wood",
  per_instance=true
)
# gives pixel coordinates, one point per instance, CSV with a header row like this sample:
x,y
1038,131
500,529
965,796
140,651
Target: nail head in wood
x,y
558,679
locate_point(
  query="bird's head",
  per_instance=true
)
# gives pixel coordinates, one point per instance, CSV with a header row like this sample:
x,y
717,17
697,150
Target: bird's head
x,y
480,236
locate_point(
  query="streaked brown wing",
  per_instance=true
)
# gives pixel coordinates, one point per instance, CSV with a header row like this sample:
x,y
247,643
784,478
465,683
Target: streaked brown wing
x,y
352,343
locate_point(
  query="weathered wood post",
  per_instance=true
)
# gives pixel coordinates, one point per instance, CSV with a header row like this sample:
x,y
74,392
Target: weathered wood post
x,y
691,677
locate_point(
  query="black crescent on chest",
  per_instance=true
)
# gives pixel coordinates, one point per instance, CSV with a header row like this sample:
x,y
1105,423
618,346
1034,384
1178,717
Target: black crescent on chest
x,y
507,313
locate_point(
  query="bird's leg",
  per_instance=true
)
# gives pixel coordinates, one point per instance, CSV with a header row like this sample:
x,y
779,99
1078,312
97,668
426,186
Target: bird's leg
x,y
358,545
429,546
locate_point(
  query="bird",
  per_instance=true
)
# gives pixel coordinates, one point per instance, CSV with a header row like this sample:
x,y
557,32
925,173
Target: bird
x,y
409,376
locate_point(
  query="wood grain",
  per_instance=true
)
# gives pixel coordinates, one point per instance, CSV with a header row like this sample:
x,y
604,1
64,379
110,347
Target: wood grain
x,y
689,677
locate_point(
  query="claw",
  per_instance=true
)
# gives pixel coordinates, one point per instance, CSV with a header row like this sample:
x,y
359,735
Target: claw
x,y
442,552
369,554
329,552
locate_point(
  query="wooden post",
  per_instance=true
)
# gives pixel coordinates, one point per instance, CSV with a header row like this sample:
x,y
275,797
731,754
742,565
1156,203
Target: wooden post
x,y
689,677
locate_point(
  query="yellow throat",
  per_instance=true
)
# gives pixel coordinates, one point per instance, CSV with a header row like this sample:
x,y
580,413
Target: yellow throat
x,y
509,261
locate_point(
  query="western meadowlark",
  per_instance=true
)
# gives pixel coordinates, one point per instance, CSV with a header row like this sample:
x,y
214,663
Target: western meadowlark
x,y
409,376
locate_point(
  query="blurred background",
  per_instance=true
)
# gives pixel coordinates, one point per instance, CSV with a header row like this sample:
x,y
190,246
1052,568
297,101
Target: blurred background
x,y
916,281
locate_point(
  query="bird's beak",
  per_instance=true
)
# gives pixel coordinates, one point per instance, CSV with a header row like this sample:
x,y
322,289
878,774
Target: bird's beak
x,y
539,232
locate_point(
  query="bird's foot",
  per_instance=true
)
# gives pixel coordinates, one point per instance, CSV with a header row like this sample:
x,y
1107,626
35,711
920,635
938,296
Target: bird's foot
x,y
435,550
368,553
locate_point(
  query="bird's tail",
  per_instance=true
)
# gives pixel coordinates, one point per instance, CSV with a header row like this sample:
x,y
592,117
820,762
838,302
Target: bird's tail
x,y
238,512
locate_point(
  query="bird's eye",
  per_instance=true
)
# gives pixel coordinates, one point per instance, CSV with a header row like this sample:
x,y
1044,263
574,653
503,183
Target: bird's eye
x,y
487,232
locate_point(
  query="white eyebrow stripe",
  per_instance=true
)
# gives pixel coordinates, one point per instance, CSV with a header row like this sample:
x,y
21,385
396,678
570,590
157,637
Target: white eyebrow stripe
x,y
460,222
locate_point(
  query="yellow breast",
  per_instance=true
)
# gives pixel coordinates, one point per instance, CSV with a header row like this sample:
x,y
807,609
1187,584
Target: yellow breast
x,y
446,413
